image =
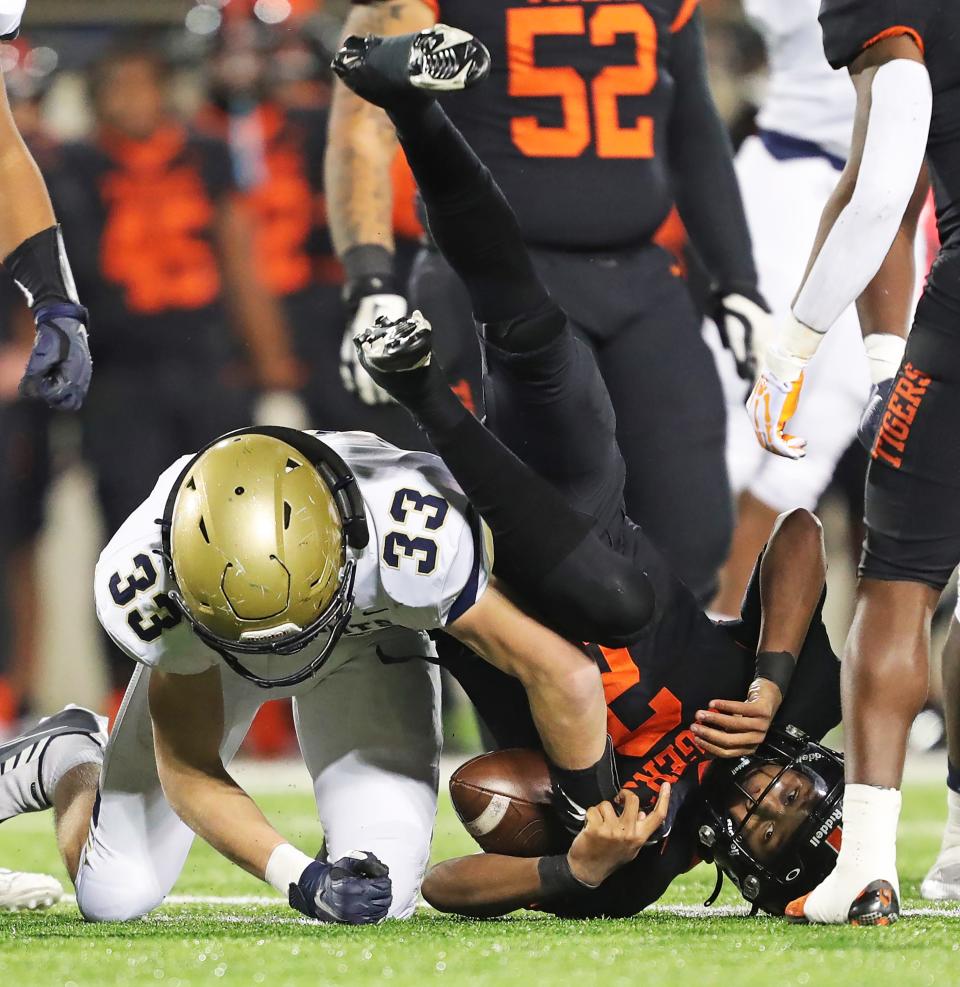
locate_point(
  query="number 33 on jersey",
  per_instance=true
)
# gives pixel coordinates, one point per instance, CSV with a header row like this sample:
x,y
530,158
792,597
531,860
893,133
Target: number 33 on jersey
x,y
427,561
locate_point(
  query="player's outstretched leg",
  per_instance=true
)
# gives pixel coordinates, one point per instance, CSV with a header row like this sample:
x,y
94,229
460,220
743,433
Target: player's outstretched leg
x,y
55,765
469,217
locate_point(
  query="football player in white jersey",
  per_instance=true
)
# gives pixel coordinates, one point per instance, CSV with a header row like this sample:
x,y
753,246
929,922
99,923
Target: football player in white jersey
x,y
31,250
787,171
278,563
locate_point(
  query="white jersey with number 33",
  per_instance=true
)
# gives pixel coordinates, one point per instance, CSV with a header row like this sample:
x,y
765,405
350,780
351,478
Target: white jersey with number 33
x,y
427,562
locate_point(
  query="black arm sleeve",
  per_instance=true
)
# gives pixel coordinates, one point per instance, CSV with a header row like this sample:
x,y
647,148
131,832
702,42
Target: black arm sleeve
x,y
701,165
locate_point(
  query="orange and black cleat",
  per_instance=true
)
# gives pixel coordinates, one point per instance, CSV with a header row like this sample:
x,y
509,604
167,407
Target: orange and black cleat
x,y
877,904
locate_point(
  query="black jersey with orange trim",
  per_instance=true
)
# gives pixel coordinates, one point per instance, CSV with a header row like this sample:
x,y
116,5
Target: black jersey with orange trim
x,y
138,220
653,691
851,26
573,120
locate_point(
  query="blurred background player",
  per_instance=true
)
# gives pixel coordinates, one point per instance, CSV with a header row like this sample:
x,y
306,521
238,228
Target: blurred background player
x,y
592,121
165,258
787,171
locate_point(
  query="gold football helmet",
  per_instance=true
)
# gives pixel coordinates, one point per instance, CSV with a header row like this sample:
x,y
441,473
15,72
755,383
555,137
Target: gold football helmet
x,y
260,533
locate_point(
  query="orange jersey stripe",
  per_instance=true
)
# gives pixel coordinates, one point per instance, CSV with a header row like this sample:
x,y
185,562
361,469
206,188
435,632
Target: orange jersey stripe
x,y
895,32
683,15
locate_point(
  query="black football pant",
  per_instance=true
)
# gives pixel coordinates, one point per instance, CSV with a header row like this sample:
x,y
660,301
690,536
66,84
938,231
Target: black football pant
x,y
637,318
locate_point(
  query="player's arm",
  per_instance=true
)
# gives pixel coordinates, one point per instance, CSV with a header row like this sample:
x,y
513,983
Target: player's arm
x,y
361,148
868,213
255,313
188,726
708,198
32,251
562,683
793,573
488,884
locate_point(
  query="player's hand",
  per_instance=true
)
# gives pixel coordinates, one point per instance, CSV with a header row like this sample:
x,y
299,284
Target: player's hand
x,y
872,415
735,729
60,366
771,405
745,326
355,890
352,372
609,840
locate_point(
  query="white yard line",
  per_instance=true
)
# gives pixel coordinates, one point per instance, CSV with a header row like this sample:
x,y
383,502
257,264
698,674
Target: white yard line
x,y
682,911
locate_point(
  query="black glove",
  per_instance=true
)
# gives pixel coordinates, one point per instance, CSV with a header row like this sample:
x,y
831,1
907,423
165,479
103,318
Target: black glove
x,y
745,325
60,366
355,889
873,413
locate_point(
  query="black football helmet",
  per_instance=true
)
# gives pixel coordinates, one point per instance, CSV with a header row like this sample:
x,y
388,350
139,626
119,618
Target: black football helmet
x,y
773,821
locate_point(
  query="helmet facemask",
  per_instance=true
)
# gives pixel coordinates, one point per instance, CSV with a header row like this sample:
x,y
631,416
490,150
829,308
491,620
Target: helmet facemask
x,y
773,820
260,539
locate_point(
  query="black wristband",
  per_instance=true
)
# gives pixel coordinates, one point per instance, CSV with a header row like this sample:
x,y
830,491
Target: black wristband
x,y
367,260
777,667
557,880
39,266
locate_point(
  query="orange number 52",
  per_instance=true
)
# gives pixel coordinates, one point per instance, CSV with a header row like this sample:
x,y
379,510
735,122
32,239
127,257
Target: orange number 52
x,y
526,78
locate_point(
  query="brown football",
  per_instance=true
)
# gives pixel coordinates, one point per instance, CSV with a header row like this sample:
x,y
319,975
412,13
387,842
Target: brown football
x,y
503,801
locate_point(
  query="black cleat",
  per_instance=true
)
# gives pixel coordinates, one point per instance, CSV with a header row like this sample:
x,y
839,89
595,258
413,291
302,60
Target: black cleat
x,y
877,904
439,59
391,347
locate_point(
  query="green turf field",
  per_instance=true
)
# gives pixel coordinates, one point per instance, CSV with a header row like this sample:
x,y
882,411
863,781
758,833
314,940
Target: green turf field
x,y
241,943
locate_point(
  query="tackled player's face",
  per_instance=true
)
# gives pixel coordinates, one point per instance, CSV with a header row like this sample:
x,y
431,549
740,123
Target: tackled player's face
x,y
777,817
131,97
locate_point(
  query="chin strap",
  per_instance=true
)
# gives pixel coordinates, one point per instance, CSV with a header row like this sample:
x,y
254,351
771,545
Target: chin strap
x,y
716,889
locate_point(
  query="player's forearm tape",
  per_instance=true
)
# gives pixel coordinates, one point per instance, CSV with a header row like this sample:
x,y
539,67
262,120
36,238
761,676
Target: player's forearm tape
x,y
893,152
884,354
557,880
368,260
40,268
285,866
777,667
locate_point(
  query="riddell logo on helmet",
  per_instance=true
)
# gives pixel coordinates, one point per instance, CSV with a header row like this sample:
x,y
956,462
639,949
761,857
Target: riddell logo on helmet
x,y
898,417
827,827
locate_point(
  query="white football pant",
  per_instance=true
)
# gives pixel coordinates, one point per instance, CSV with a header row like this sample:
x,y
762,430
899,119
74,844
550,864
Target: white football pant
x,y
370,737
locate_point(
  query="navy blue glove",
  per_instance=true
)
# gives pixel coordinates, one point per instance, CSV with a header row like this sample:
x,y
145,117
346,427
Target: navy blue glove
x,y
873,413
60,367
355,889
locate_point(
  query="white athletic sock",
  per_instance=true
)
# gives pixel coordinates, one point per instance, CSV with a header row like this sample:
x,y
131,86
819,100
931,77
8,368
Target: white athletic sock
x,y
951,832
65,753
285,866
868,852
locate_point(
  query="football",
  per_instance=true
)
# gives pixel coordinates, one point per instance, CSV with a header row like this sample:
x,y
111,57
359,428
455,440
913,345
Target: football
x,y
503,801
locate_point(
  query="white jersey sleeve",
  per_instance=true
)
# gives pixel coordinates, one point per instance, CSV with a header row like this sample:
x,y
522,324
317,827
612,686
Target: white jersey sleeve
x,y
429,557
11,13
131,585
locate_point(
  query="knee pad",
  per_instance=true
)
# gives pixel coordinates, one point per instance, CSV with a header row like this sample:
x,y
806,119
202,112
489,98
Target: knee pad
x,y
600,596
122,897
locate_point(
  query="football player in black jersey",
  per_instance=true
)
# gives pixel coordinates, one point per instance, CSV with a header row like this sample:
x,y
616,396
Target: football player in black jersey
x,y
595,118
674,681
904,59
31,249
